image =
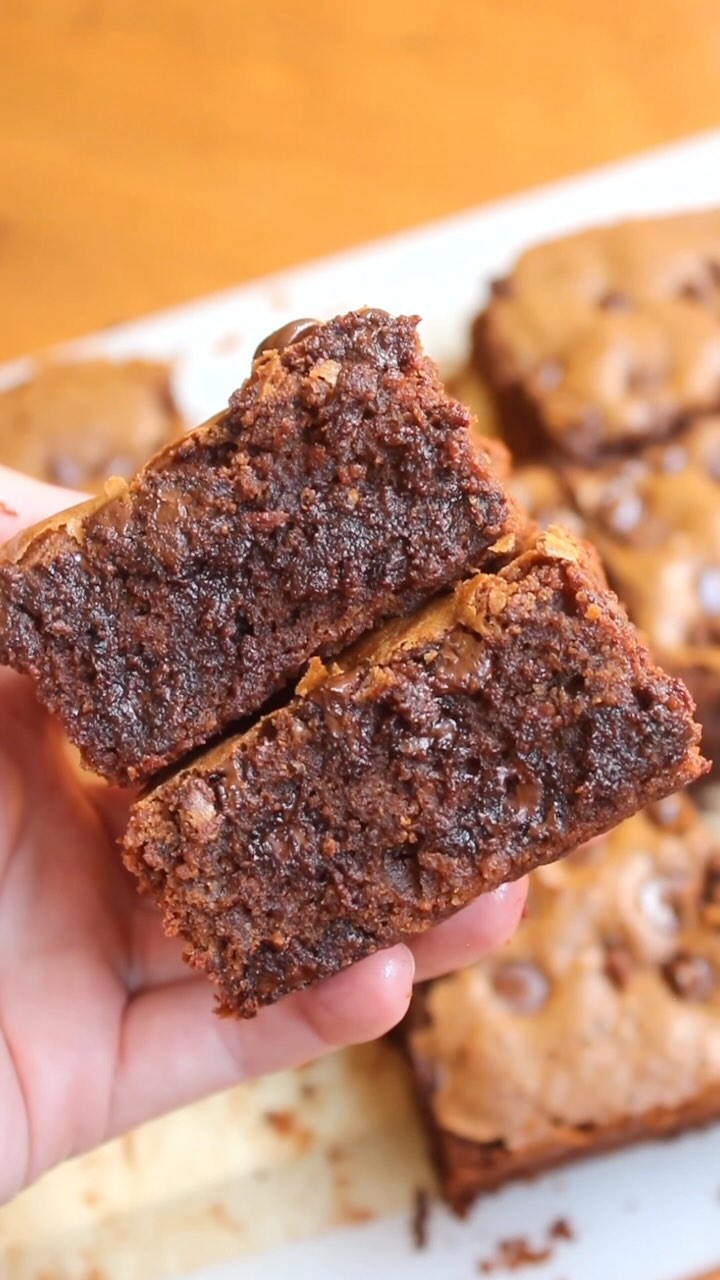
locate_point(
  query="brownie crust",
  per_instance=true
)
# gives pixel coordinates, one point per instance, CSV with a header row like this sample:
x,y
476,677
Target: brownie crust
x,y
447,755
596,1027
340,488
77,424
607,339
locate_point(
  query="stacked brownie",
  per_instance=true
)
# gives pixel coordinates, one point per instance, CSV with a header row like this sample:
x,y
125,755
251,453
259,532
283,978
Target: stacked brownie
x,y
509,712
598,1025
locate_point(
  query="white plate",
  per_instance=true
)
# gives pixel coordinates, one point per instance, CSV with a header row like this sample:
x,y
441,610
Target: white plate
x,y
652,1213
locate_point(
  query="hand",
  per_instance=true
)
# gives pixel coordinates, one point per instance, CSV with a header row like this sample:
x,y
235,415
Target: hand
x,y
102,1026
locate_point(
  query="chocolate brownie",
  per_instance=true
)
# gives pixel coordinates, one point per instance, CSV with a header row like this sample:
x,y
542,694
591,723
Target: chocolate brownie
x,y
76,424
341,487
448,754
655,520
598,1025
608,338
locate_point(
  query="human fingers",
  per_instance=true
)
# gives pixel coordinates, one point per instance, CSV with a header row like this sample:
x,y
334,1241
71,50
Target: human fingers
x,y
482,926
173,1049
24,500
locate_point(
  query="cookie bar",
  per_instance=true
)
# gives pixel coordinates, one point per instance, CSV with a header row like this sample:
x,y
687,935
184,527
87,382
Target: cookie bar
x,y
598,1025
76,424
608,338
341,487
655,520
448,754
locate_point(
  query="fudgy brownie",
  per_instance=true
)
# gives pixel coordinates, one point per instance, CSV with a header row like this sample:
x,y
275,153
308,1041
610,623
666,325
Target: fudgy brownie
x,y
76,424
655,519
449,753
341,487
598,1025
607,338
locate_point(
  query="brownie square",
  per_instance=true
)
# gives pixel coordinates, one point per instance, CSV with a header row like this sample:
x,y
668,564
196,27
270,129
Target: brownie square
x,y
598,1025
340,488
77,424
449,753
655,519
606,339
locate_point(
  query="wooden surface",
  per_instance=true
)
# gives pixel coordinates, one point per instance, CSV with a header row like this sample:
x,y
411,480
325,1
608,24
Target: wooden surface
x,y
154,150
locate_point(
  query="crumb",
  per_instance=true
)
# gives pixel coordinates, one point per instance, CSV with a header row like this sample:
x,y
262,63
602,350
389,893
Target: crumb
x,y
282,1122
308,1089
561,1229
91,1198
95,1273
355,1213
220,1214
420,1216
5,510
287,1125
513,1253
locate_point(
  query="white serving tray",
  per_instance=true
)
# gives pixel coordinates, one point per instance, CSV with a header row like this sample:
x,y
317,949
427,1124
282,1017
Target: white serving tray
x,y
651,1213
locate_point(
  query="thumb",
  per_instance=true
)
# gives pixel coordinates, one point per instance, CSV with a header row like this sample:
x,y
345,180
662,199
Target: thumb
x,y
24,501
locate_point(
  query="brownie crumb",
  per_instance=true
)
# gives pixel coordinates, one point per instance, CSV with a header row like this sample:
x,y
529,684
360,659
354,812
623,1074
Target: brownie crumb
x,y
514,1253
561,1229
420,1218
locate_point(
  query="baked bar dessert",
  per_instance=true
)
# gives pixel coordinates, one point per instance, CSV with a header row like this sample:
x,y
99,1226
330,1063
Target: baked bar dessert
x,y
608,338
449,753
598,1025
76,424
340,487
655,519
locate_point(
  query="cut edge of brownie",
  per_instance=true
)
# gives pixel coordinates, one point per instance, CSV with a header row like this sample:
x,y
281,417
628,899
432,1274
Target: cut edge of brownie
x,y
342,472
468,1169
351,817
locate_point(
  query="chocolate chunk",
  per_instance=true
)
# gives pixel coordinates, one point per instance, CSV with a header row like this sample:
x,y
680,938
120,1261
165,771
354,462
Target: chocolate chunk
x,y
674,813
613,300
691,976
710,899
521,985
620,963
661,900
286,335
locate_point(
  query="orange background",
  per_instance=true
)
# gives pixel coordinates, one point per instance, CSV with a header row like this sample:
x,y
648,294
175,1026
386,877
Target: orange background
x,y
154,150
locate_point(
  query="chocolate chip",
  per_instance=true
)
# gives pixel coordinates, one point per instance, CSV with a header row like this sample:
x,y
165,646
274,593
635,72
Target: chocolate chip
x,y
661,900
642,380
693,291
66,471
549,375
613,300
285,336
674,459
713,270
501,288
673,813
523,795
522,986
709,590
690,976
622,515
710,898
619,962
